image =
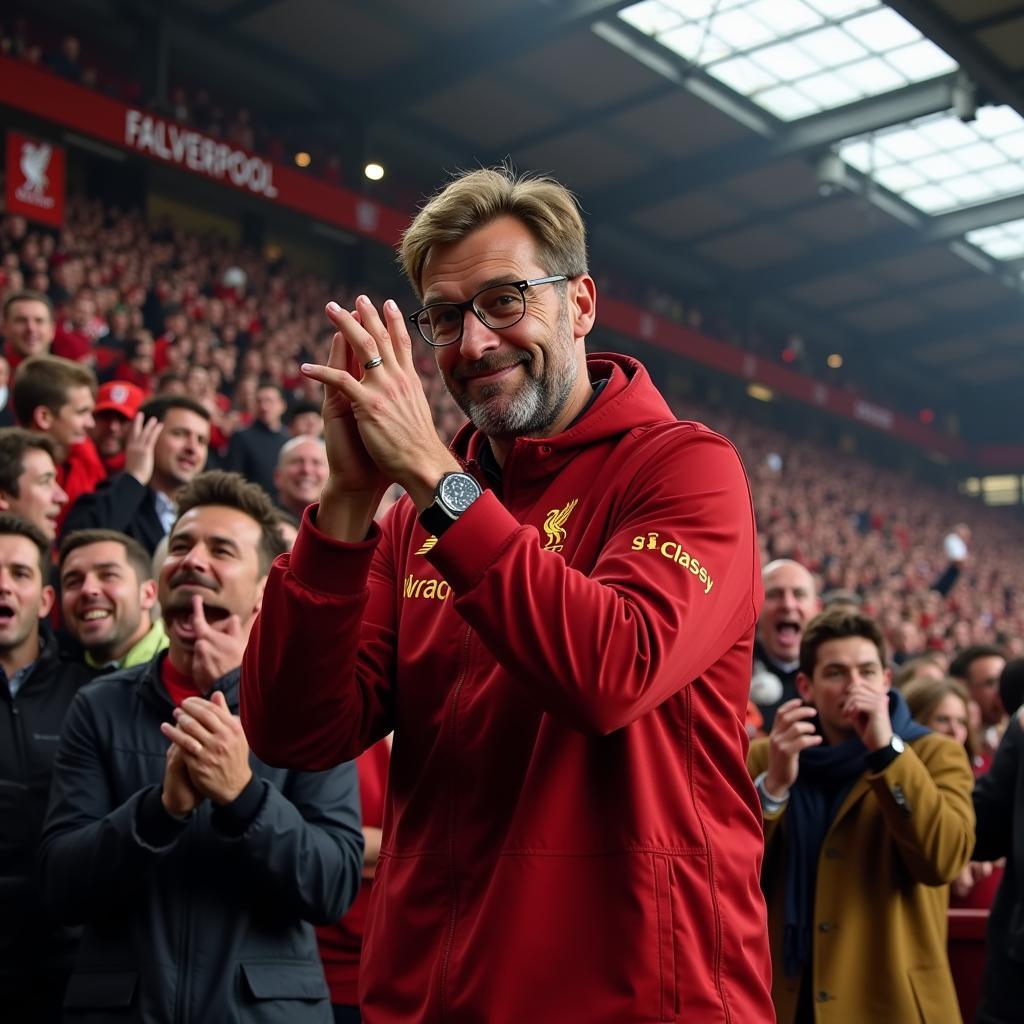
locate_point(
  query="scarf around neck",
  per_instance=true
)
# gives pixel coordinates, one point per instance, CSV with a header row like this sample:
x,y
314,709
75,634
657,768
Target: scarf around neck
x,y
827,775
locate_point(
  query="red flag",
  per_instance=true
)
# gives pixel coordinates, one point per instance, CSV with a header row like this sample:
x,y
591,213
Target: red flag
x,y
35,179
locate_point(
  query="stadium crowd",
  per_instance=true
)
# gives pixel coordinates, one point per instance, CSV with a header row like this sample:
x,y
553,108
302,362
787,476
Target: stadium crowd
x,y
182,355
171,311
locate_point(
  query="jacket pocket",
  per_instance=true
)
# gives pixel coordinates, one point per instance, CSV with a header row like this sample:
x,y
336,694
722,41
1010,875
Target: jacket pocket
x,y
95,990
662,874
284,979
934,994
568,937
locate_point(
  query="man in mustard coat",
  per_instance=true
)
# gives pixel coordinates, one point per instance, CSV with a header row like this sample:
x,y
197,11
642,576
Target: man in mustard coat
x,y
867,819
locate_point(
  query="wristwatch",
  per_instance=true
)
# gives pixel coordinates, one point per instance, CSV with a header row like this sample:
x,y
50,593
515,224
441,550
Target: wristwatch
x,y
878,760
454,494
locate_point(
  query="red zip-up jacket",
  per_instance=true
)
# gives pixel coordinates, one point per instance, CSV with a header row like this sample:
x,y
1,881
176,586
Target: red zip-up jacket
x,y
570,832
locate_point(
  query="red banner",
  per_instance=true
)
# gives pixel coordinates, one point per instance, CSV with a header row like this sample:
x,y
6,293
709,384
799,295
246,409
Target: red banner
x,y
35,179
629,320
38,92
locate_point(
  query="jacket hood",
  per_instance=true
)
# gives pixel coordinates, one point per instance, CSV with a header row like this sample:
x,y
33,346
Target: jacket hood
x,y
628,401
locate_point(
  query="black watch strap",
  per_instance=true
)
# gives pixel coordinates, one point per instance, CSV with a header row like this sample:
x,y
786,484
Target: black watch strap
x,y
878,760
435,520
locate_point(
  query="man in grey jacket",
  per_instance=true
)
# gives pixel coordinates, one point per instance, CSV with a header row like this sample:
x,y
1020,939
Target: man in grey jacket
x,y
197,870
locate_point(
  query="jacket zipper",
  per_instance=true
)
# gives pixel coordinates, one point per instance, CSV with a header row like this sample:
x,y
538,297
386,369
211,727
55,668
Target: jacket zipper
x,y
18,730
452,876
184,959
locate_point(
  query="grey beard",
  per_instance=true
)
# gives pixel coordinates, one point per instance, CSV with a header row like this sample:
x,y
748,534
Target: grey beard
x,y
538,402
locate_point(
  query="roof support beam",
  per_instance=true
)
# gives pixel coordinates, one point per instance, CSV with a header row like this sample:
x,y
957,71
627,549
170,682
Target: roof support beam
x,y
456,58
950,35
773,140
240,11
968,323
851,256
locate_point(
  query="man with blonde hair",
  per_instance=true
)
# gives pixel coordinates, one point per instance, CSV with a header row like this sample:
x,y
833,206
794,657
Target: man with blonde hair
x,y
556,621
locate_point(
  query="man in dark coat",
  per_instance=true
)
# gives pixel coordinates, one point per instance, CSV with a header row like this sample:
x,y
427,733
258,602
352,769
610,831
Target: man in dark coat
x,y
999,804
167,446
37,689
197,870
253,452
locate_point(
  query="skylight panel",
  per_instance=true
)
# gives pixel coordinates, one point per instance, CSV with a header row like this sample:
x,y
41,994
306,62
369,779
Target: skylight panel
x,y
743,75
796,42
873,74
833,45
788,103
1006,180
1001,241
883,23
930,198
963,164
900,178
841,8
830,90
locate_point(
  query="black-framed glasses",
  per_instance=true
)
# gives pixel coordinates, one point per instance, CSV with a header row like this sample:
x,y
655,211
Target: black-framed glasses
x,y
498,306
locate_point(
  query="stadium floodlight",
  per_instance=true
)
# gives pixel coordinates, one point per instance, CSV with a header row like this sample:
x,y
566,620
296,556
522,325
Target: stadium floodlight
x,y
794,58
939,163
374,171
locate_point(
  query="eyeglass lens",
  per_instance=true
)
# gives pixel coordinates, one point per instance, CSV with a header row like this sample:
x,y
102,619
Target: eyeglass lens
x,y
498,307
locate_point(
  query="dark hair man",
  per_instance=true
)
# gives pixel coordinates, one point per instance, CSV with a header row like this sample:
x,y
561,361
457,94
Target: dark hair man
x,y
36,691
1011,685
253,451
161,823
54,397
107,594
305,418
167,446
979,667
557,622
29,326
300,474
28,479
867,819
790,602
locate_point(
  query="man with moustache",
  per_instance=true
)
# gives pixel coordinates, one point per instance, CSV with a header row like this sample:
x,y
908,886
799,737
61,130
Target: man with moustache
x,y
557,622
196,870
107,597
301,473
167,446
36,689
28,479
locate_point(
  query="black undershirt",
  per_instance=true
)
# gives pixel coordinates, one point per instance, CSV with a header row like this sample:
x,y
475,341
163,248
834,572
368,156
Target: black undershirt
x,y
489,463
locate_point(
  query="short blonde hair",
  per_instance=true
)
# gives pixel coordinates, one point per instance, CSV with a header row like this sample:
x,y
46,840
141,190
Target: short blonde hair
x,y
548,210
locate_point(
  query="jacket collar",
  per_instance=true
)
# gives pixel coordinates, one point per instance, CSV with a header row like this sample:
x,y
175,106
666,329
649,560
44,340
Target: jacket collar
x,y
49,656
628,401
151,687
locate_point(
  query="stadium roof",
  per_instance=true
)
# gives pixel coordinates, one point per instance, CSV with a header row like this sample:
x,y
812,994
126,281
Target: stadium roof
x,y
849,170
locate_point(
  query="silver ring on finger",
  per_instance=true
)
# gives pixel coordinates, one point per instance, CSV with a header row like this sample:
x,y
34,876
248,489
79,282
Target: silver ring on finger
x,y
371,363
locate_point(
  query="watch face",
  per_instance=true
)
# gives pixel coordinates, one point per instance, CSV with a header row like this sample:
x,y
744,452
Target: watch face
x,y
458,491
897,744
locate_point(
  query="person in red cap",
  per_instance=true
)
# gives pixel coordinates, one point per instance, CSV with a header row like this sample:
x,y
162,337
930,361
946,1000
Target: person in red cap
x,y
117,404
